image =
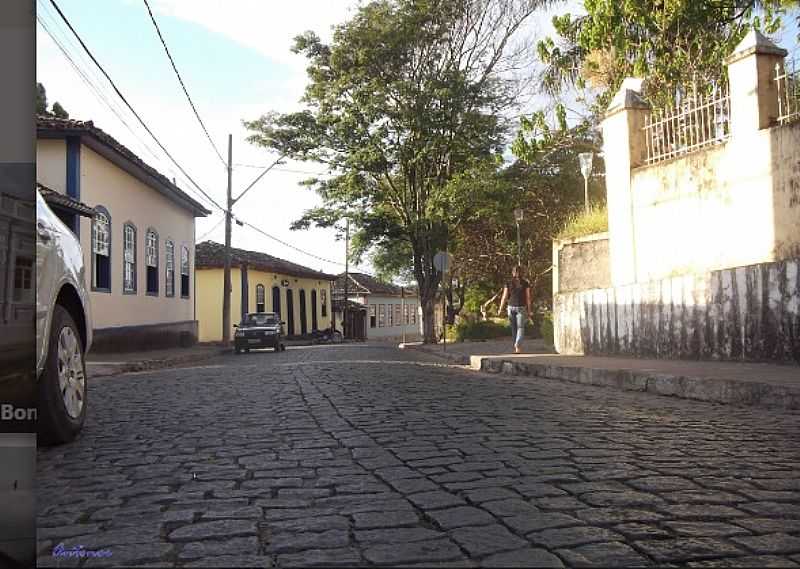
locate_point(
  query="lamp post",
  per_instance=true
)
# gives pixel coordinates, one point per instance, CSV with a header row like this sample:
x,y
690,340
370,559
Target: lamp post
x,y
518,214
585,159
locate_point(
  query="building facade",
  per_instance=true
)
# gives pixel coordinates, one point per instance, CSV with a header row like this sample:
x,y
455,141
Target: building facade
x,y
391,311
261,283
139,245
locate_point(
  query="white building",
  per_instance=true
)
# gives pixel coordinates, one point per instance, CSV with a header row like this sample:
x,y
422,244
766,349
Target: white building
x,y
390,310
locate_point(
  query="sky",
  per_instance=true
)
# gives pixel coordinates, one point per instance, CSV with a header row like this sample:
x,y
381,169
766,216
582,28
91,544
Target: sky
x,y
235,60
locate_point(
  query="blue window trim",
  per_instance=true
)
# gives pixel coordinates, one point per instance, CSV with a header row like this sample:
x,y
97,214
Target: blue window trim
x,y
73,177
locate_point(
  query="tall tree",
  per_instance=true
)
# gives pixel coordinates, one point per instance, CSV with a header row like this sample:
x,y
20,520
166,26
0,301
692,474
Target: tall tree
x,y
41,99
408,94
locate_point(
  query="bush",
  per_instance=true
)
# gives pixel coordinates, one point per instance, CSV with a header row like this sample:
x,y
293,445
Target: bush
x,y
581,224
546,328
481,330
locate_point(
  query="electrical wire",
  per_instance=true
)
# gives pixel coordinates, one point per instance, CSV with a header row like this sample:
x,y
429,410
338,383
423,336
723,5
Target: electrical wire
x,y
284,243
183,86
210,231
124,100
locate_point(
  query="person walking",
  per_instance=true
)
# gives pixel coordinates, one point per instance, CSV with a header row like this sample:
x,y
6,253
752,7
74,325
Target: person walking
x,y
517,293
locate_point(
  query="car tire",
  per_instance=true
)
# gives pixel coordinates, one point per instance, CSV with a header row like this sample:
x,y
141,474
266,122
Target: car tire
x,y
337,337
60,414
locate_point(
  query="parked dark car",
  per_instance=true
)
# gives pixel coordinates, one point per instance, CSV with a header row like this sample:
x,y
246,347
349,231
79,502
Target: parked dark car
x,y
259,330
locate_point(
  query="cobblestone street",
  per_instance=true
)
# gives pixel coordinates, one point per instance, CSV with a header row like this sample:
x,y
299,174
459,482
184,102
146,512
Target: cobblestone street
x,y
366,455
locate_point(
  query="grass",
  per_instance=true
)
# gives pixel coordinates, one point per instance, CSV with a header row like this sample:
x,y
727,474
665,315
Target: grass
x,y
581,224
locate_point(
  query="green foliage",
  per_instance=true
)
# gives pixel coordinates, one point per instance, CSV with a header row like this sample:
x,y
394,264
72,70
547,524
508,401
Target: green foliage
x,y
59,112
41,104
546,328
672,43
407,96
481,330
582,223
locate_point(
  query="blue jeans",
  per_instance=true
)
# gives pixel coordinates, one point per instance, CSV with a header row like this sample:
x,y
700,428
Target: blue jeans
x,y
517,318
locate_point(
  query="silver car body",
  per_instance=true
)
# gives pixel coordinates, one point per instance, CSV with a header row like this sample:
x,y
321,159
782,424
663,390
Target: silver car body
x,y
59,264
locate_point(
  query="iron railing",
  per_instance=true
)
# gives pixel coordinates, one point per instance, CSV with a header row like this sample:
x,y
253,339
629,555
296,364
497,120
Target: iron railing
x,y
694,122
787,79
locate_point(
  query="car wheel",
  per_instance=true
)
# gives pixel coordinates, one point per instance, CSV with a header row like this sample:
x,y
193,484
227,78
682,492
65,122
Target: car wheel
x,y
62,389
337,337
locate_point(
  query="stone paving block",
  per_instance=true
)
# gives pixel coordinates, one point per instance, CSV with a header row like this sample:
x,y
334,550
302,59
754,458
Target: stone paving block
x,y
621,499
682,549
559,503
239,512
232,546
425,552
537,490
413,485
287,542
131,555
572,536
699,511
769,525
396,535
233,561
746,562
461,516
213,530
485,540
539,521
345,557
316,523
510,507
435,499
396,473
304,493
60,533
578,488
527,557
479,495
770,543
662,483
702,497
387,519
705,529
777,509
609,516
608,554
639,530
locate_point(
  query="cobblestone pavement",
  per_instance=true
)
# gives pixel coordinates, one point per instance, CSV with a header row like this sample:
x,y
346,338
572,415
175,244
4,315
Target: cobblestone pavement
x,y
359,455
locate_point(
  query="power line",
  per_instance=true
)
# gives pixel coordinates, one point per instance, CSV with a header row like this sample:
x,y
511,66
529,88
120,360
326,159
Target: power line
x,y
124,100
99,95
284,243
281,169
183,86
210,231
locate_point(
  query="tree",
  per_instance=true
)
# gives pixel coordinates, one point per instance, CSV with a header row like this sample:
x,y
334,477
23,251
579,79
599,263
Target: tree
x,y
59,112
408,94
672,43
41,104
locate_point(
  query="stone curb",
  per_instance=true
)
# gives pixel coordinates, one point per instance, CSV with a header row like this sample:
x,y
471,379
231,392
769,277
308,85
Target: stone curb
x,y
110,369
726,391
436,350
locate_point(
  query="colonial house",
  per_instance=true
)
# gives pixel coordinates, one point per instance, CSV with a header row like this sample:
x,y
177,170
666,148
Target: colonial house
x,y
260,283
138,246
391,310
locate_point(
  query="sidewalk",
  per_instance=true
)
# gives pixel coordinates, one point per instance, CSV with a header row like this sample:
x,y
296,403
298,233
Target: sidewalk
x,y
734,383
103,365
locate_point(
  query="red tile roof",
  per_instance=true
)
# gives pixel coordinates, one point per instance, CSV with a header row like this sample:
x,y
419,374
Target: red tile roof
x,y
211,255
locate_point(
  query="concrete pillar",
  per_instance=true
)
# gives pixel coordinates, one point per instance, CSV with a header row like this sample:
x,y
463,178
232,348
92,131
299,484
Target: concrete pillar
x,y
753,92
623,149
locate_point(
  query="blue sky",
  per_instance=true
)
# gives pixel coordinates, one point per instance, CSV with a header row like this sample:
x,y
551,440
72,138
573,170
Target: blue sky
x,y
236,62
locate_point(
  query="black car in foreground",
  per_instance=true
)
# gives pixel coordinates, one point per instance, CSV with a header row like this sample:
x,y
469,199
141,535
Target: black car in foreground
x,y
259,330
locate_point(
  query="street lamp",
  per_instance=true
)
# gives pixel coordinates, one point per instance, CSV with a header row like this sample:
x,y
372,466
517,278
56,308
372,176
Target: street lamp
x,y
518,214
585,159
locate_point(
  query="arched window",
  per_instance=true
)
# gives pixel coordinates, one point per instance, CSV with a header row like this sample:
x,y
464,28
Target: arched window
x,y
151,261
323,298
129,259
184,272
101,250
260,300
169,268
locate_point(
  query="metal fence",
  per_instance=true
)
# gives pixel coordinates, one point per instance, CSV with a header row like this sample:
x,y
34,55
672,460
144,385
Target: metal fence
x,y
694,122
787,78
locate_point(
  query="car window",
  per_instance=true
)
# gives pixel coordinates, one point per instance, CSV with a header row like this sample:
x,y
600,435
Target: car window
x,y
261,320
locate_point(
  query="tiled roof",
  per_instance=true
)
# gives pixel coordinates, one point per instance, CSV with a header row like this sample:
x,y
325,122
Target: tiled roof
x,y
53,198
362,283
52,125
211,255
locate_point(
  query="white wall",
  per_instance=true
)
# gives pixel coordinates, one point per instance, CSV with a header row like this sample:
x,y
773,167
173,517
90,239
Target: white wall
x,y
395,330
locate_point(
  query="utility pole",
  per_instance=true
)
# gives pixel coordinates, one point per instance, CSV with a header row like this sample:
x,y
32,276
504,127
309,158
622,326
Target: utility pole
x,y
226,295
346,275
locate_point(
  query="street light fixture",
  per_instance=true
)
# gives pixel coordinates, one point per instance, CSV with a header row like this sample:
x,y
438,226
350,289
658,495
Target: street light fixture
x,y
585,159
518,215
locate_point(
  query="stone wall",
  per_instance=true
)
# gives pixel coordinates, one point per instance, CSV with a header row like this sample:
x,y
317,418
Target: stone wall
x,y
581,263
744,313
145,337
